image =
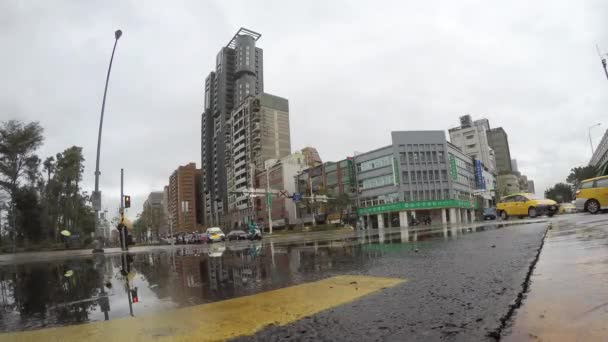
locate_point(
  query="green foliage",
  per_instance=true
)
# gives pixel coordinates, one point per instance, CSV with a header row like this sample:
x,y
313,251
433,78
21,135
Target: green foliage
x,y
40,207
18,142
580,173
560,192
29,214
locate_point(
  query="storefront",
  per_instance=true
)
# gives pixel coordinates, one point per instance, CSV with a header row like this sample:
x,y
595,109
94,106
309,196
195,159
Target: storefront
x,y
403,214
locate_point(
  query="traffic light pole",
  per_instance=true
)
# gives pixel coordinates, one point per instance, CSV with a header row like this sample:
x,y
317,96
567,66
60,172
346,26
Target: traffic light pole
x,y
124,246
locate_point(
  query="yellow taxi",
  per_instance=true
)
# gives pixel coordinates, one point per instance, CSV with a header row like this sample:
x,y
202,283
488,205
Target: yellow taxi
x,y
525,204
592,195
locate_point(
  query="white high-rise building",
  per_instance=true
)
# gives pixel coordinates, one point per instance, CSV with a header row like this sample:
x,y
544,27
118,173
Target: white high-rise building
x,y
471,138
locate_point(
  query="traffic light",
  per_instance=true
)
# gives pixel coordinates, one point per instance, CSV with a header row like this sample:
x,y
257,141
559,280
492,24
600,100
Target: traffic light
x,y
127,201
134,297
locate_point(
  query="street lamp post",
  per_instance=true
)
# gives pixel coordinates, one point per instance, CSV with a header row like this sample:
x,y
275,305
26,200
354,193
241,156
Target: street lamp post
x,y
590,140
96,193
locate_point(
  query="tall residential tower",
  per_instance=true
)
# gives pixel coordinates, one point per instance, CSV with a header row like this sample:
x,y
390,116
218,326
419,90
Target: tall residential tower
x,y
238,73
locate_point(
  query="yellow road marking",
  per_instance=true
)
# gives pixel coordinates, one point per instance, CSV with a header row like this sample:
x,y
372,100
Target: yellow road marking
x,y
219,320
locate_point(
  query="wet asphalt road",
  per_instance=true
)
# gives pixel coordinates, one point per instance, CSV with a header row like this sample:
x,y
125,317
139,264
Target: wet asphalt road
x,y
460,282
458,289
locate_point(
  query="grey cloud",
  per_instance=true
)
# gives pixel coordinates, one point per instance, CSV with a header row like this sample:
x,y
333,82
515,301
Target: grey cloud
x,y
353,71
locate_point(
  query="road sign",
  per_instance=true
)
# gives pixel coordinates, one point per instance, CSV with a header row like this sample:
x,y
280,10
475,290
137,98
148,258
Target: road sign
x,y
283,193
296,197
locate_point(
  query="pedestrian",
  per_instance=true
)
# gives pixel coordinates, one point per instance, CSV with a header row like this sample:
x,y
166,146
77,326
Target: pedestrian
x,y
430,220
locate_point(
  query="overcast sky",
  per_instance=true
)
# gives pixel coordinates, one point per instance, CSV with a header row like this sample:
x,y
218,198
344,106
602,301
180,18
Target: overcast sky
x,y
352,71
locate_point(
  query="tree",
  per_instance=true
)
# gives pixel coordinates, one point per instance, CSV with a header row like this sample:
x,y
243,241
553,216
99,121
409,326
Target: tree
x,y
580,173
560,192
29,214
18,144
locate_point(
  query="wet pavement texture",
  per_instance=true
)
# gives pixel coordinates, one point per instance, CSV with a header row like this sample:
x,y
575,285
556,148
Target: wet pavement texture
x,y
458,289
460,282
568,297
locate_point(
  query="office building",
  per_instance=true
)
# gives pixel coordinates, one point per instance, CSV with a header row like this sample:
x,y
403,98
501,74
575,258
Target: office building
x,y
499,142
531,188
280,177
419,175
238,73
471,138
599,159
333,179
184,196
507,184
153,215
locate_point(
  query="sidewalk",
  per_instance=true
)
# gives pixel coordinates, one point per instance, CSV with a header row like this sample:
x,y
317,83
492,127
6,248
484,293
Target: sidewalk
x,y
568,296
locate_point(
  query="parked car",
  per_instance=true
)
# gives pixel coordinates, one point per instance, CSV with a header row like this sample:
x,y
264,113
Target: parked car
x,y
215,234
489,213
592,195
237,235
525,204
255,234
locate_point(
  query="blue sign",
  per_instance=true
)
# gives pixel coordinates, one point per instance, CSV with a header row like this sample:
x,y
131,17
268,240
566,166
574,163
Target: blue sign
x,y
479,181
296,197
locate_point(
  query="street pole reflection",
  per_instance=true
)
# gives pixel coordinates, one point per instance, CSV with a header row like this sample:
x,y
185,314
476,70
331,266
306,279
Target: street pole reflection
x,y
126,260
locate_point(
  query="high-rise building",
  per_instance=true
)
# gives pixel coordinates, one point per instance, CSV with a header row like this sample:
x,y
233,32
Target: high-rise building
x,y
472,139
499,142
311,156
514,165
184,197
153,215
257,131
238,74
531,188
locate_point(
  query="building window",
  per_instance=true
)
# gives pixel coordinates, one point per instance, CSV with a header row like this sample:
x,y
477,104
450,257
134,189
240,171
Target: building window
x,y
437,175
444,175
446,194
422,157
469,137
414,179
415,157
374,163
414,195
402,157
377,182
419,174
405,176
424,176
471,146
431,175
434,156
406,196
440,156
